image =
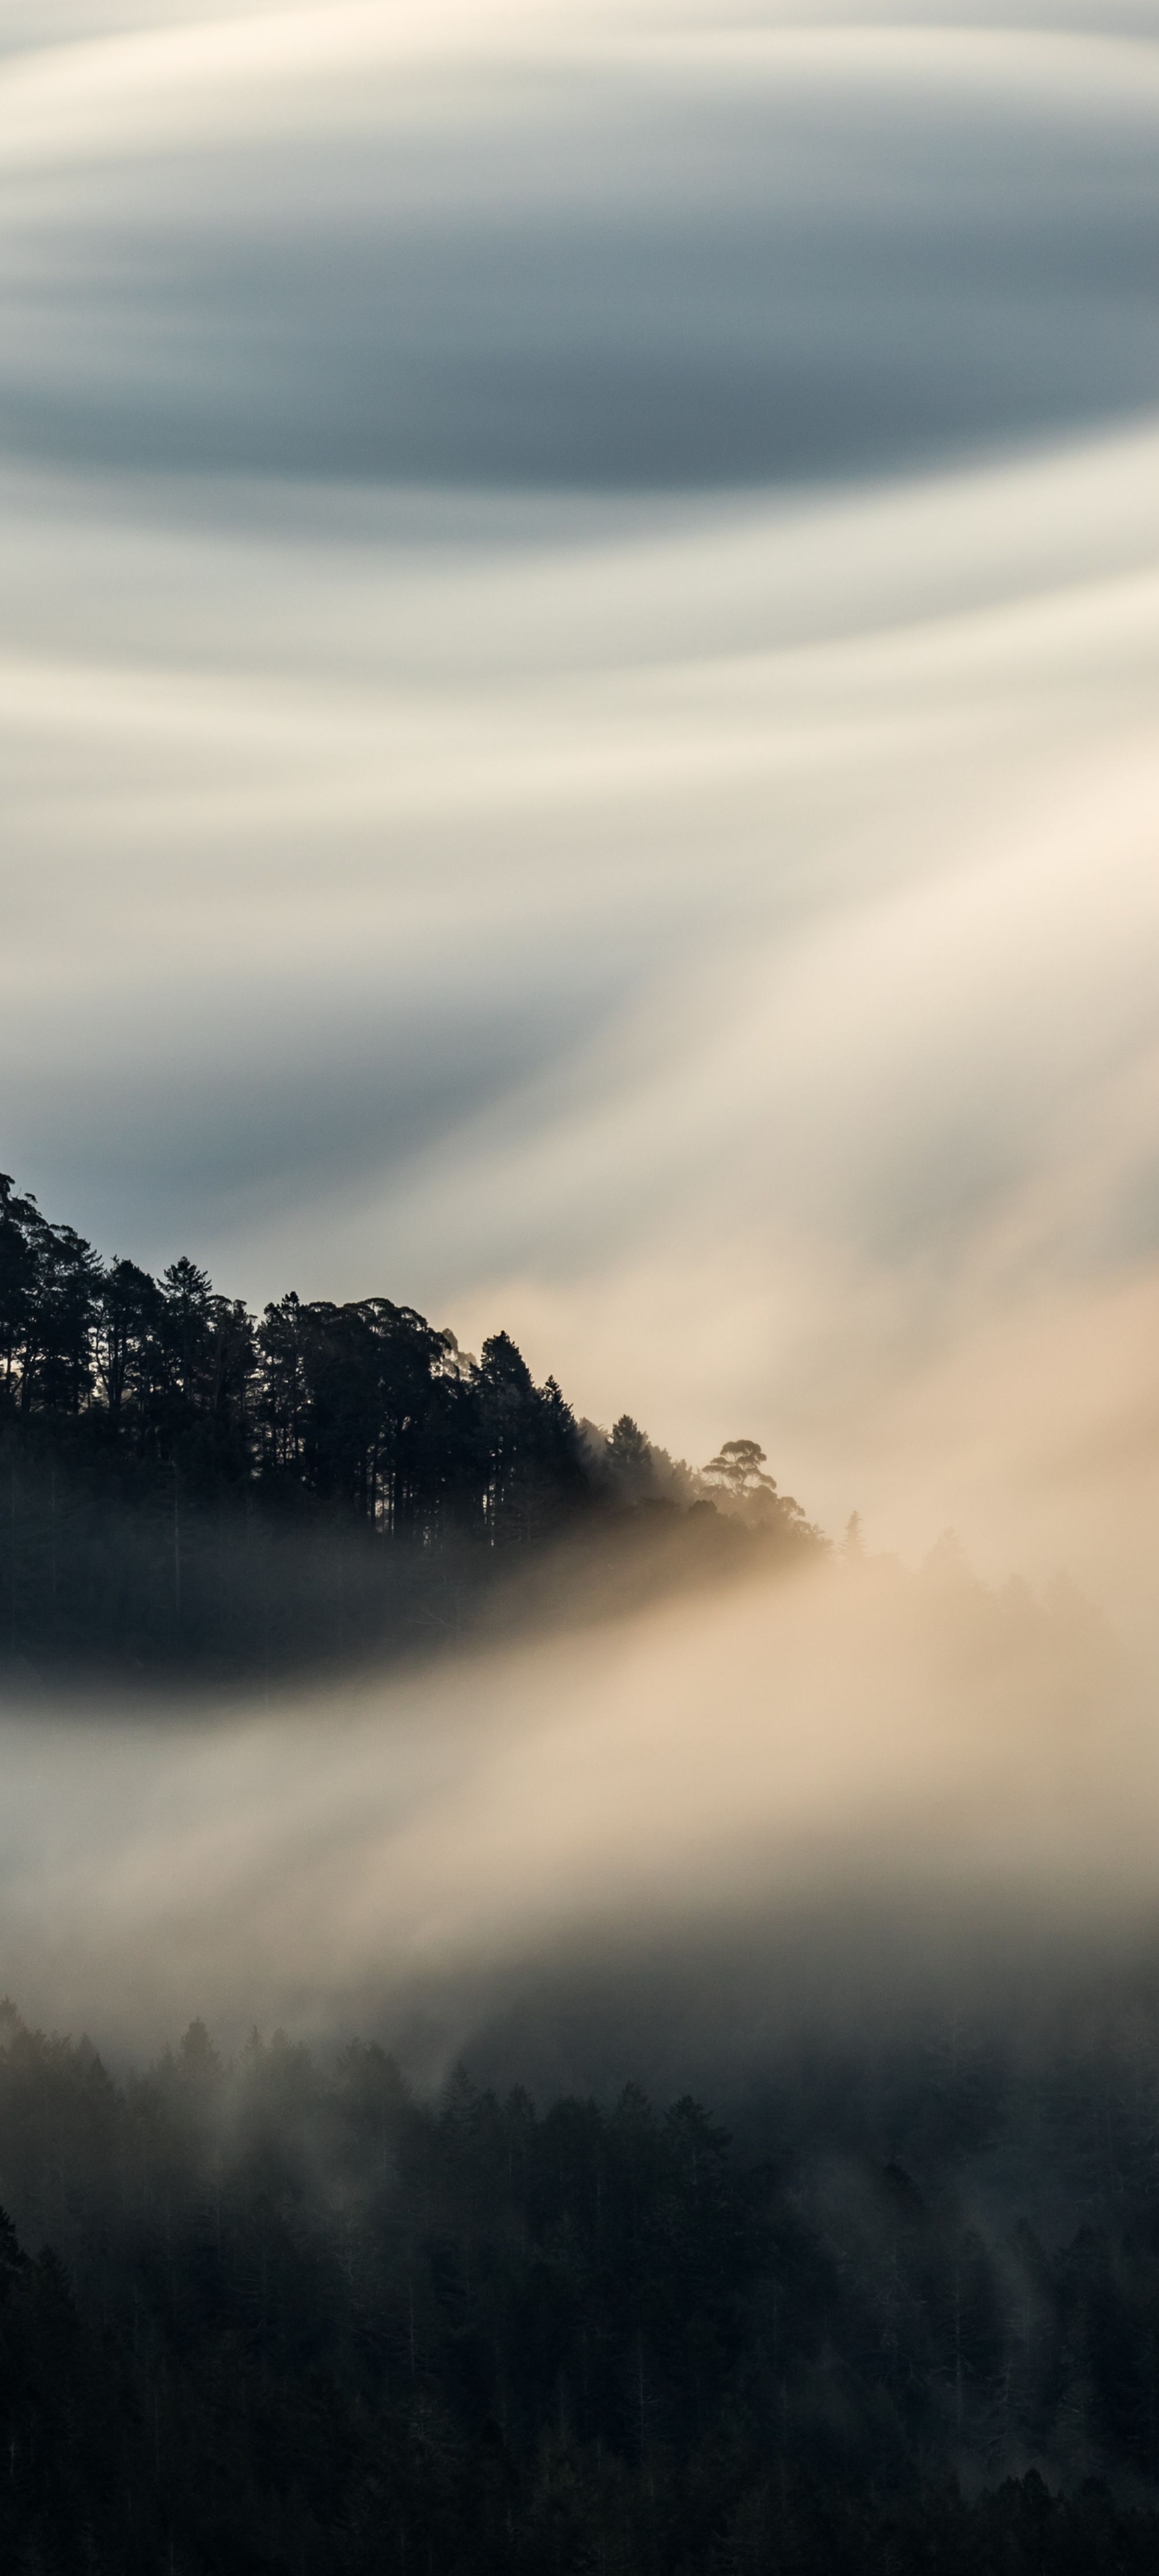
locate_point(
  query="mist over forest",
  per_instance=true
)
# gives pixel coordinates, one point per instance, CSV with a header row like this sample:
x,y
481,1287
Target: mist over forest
x,y
190,1489
296,2317
770,2183
579,1288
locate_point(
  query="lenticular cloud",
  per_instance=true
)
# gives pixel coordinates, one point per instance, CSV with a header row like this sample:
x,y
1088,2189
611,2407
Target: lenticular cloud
x,y
578,697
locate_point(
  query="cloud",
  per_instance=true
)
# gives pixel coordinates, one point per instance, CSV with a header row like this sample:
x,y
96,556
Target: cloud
x,y
671,263
578,699
578,716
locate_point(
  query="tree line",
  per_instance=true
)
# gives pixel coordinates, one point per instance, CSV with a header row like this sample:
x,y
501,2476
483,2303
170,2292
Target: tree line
x,y
184,1481
288,2319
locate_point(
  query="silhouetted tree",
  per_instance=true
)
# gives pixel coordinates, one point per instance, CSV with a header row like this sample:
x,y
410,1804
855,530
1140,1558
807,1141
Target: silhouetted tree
x,y
182,1481
738,1469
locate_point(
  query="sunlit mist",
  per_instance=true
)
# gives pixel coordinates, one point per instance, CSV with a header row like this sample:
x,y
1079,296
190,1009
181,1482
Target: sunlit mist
x,y
577,689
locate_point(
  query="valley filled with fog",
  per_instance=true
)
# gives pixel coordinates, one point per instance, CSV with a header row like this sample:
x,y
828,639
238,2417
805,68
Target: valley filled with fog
x,y
578,667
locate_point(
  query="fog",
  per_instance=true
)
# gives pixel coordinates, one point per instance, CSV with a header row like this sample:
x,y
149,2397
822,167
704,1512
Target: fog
x,y
859,1794
577,702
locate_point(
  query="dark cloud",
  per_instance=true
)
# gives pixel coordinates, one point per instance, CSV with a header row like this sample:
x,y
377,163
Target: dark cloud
x,y
789,287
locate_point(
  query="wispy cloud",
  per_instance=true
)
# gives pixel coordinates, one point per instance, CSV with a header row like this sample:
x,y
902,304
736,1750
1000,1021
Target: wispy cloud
x,y
578,702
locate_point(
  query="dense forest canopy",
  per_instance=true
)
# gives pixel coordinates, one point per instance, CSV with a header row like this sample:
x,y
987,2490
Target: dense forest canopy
x,y
291,2320
185,1481
277,2314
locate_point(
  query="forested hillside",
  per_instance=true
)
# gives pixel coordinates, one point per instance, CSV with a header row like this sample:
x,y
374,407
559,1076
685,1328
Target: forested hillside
x,y
185,1484
291,2320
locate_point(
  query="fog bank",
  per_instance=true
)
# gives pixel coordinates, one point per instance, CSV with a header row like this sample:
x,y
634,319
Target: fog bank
x,y
850,1793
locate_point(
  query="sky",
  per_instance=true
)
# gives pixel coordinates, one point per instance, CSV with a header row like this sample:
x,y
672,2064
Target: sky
x,y
578,654
579,633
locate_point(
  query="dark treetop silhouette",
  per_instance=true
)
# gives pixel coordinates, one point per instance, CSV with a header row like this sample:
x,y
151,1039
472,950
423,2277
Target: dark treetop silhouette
x,y
183,1483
